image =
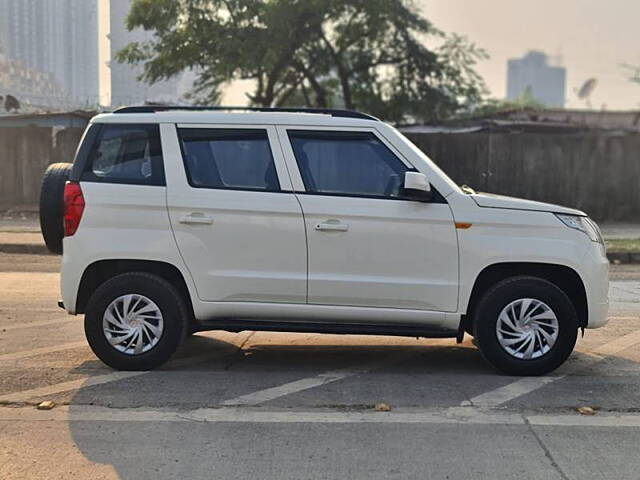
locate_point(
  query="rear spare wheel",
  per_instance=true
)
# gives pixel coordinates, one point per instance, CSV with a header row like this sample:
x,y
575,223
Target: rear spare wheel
x,y
52,205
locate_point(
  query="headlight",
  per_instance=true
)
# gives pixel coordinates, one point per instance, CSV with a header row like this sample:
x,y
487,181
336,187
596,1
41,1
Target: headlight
x,y
584,224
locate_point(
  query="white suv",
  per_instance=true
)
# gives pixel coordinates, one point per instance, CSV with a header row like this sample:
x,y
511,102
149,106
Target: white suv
x,y
178,220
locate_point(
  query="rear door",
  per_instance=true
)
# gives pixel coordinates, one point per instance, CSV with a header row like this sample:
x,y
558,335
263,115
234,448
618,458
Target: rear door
x,y
368,246
123,184
237,223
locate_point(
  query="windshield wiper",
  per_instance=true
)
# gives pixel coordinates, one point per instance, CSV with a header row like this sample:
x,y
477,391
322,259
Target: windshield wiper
x,y
468,190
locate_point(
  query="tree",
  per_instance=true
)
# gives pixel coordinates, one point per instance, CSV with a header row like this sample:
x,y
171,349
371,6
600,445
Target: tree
x,y
633,71
524,101
360,54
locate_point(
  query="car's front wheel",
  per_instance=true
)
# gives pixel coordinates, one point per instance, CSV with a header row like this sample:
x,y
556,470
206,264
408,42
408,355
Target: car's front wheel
x,y
525,326
135,321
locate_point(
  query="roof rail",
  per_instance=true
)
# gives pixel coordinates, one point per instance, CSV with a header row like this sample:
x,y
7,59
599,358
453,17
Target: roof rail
x,y
324,111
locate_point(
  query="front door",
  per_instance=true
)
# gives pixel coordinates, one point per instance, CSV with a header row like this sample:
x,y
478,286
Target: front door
x,y
367,245
237,224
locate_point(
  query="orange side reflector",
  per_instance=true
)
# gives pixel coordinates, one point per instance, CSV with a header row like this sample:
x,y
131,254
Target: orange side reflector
x,y
463,226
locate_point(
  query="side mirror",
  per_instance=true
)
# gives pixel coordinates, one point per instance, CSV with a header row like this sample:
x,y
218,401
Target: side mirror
x,y
417,187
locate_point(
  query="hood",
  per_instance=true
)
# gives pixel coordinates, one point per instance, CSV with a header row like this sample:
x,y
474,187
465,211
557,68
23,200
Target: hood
x,y
489,200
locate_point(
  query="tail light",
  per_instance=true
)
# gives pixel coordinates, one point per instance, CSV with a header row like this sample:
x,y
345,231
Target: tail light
x,y
73,207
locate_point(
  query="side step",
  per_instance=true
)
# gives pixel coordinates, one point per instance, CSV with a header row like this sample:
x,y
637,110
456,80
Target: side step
x,y
335,328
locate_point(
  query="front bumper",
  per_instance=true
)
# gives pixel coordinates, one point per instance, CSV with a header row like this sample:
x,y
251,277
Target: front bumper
x,y
595,275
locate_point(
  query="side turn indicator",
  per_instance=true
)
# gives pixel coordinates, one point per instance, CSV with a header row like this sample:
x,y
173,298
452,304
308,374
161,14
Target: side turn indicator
x,y
463,226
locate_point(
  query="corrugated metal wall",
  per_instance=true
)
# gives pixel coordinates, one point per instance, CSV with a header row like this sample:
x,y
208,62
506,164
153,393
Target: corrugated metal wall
x,y
595,171
25,153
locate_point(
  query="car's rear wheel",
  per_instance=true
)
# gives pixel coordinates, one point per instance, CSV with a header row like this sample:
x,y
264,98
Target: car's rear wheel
x,y
135,321
52,205
525,326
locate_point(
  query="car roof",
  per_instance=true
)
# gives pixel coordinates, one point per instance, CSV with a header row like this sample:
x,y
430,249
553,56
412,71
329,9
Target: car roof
x,y
241,117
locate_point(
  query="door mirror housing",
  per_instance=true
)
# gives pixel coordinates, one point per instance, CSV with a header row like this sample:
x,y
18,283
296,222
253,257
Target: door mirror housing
x,y
417,187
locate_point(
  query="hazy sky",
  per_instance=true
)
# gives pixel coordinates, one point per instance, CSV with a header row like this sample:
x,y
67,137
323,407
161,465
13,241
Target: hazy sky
x,y
593,37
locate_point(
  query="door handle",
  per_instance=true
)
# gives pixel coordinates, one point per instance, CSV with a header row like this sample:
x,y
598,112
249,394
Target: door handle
x,y
332,227
196,219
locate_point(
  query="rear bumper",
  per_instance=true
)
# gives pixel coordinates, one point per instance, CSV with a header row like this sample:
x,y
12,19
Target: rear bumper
x,y
70,275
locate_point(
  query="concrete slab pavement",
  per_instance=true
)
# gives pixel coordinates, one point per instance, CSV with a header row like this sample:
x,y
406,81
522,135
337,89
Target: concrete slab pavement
x,y
311,413
19,221
22,243
620,230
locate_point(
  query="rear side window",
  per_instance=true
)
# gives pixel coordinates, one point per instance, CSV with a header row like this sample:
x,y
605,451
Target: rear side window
x,y
126,154
347,163
238,159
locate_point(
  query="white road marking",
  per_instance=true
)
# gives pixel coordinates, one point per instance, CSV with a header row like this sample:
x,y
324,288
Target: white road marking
x,y
527,385
41,351
272,393
43,323
504,394
25,395
458,415
599,420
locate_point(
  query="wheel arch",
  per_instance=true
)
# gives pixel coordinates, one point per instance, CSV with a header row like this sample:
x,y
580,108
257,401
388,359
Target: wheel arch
x,y
565,278
102,270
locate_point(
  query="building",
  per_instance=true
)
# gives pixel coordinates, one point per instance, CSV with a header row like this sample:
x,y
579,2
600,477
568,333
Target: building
x,y
126,89
60,120
57,38
533,74
34,89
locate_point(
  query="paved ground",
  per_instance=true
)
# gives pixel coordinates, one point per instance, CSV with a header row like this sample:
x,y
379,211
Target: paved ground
x,y
280,406
19,221
620,230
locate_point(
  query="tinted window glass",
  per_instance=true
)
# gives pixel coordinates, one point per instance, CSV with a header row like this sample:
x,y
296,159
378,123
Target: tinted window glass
x,y
126,154
347,163
225,158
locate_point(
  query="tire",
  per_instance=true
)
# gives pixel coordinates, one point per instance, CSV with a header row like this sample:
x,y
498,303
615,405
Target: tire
x,y
516,292
162,295
52,205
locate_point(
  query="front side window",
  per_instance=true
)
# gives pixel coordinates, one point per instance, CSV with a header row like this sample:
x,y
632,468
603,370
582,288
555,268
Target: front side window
x,y
126,154
347,163
237,159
